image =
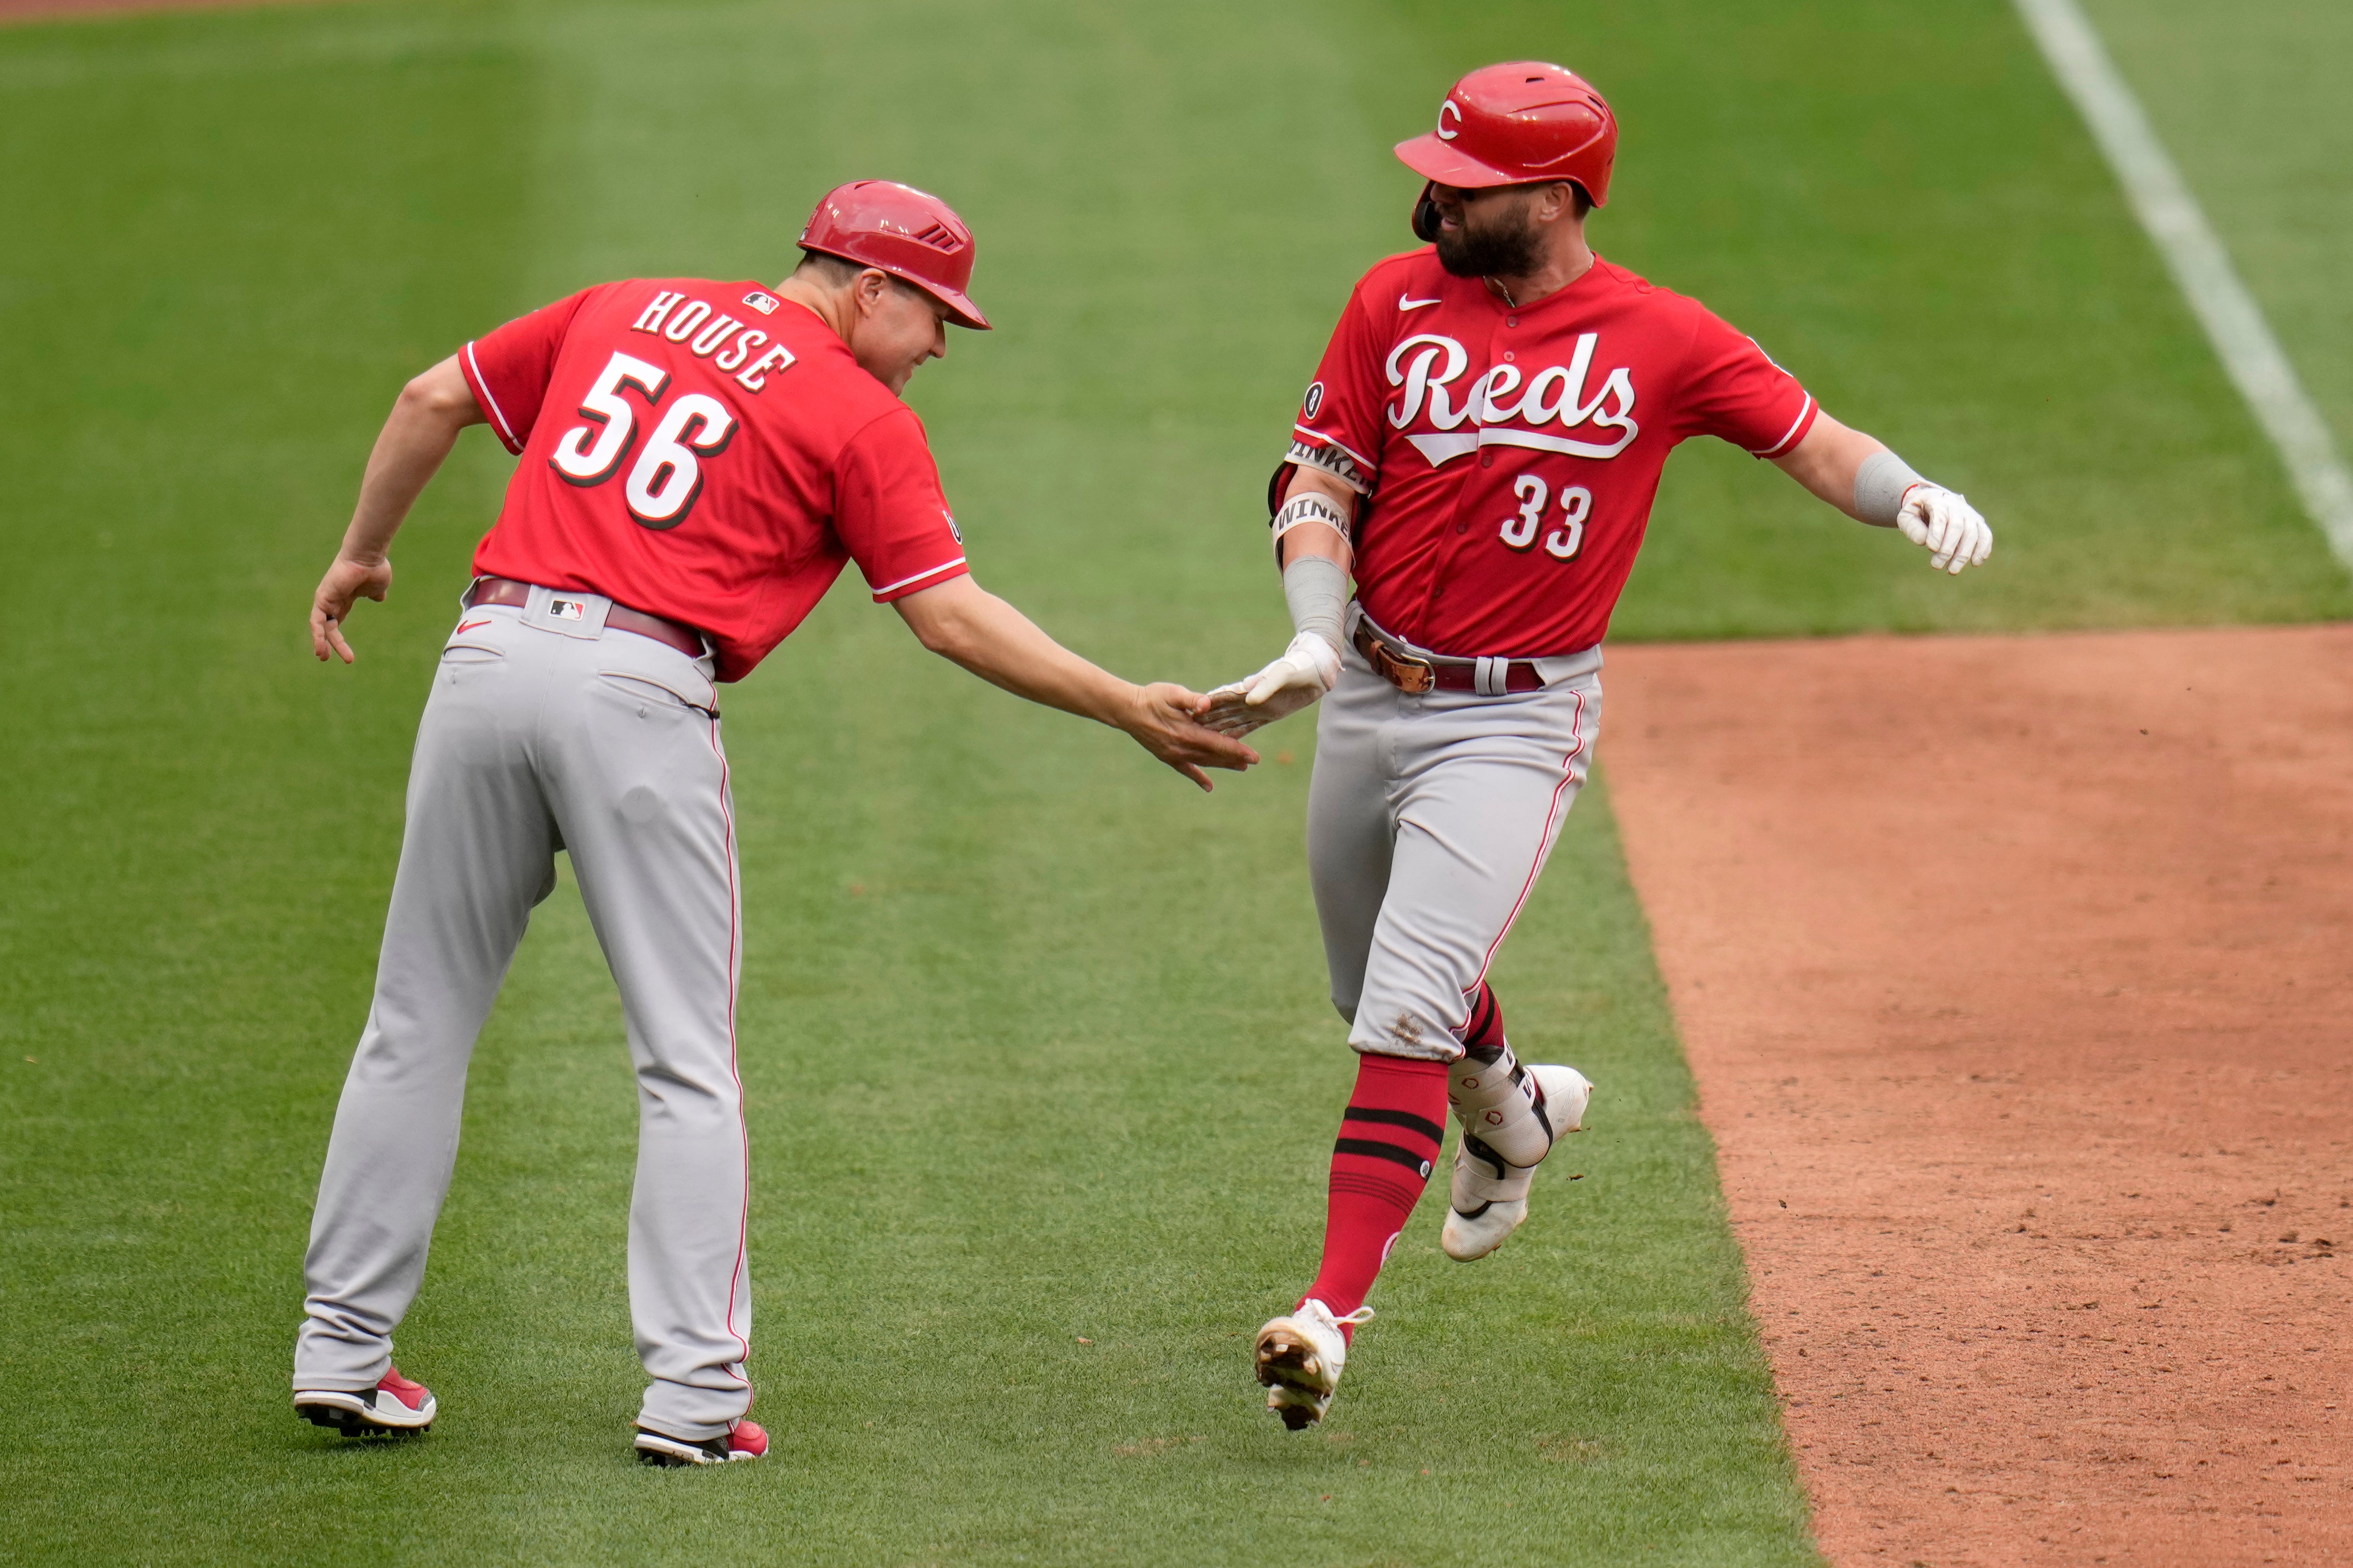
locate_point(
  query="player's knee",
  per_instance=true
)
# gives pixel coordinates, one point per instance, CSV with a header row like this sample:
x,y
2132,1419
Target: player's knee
x,y
690,1089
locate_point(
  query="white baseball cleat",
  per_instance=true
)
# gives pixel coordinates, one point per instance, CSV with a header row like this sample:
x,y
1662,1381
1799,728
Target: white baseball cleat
x,y
394,1405
1299,1359
1489,1195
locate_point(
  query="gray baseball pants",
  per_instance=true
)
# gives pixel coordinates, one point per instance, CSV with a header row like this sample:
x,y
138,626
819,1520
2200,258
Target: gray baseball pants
x,y
1428,819
546,732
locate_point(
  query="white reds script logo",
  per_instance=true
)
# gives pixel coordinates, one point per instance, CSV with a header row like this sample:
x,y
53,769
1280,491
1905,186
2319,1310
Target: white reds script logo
x,y
1502,408
1448,106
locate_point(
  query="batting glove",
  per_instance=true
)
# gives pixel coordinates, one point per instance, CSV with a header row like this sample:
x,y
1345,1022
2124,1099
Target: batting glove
x,y
1944,523
1308,668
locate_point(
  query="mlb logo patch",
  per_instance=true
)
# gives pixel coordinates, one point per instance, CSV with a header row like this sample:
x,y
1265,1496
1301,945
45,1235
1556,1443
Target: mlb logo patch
x,y
566,609
764,304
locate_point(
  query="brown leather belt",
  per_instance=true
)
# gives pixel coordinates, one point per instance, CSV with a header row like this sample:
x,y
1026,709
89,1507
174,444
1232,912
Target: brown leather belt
x,y
620,617
1410,672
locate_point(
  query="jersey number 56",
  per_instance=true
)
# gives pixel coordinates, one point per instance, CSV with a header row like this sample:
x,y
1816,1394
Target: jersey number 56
x,y
668,475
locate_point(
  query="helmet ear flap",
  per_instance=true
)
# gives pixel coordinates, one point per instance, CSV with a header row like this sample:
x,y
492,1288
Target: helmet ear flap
x,y
1425,216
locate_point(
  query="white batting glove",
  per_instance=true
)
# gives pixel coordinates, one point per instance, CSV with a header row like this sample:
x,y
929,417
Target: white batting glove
x,y
1944,523
1308,668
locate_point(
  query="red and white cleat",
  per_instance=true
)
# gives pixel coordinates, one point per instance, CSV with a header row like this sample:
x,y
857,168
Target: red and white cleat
x,y
394,1405
744,1441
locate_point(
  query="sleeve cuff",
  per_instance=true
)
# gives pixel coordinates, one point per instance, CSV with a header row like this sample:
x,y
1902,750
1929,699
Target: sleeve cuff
x,y
488,404
922,580
1796,431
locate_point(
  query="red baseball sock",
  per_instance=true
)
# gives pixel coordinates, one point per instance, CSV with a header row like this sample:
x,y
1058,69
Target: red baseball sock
x,y
1484,1029
1389,1138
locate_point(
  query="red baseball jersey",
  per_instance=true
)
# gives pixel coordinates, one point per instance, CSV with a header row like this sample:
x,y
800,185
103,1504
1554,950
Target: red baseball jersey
x,y
707,453
1508,457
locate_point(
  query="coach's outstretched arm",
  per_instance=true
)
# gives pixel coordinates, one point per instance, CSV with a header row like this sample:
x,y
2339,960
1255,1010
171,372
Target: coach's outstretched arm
x,y
961,621
1857,474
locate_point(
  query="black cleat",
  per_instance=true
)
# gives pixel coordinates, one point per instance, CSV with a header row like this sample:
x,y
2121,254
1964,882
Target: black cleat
x,y
744,1441
395,1405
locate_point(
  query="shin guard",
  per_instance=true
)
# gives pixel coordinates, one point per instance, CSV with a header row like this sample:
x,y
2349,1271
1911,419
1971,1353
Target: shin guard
x,y
1488,1194
1495,1101
1500,1106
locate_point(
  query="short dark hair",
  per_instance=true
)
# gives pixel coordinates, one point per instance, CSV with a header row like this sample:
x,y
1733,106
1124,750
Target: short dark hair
x,y
1584,202
833,269
840,272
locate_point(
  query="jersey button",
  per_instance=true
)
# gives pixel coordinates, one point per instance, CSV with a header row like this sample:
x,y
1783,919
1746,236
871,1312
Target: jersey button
x,y
1507,357
1486,459
1462,528
1511,320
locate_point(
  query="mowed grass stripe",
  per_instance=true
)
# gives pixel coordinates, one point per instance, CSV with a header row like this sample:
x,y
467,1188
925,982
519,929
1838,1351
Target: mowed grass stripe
x,y
2245,106
1035,1040
2200,264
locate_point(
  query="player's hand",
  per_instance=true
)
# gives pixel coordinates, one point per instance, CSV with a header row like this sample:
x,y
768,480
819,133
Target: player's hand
x,y
1165,720
1308,668
1944,523
346,583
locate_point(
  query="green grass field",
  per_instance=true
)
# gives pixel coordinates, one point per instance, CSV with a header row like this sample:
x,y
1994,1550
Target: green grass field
x,y
1041,1075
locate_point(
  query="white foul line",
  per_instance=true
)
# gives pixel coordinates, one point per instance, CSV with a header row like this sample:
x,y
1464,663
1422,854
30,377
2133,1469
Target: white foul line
x,y
2194,255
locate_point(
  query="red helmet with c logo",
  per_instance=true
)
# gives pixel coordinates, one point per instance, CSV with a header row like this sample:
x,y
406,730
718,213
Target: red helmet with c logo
x,y
910,233
1519,123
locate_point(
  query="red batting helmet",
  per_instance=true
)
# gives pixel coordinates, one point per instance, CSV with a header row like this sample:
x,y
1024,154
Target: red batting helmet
x,y
1518,123
910,233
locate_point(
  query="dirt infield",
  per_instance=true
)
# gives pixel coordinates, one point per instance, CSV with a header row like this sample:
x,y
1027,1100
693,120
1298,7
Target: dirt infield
x,y
2015,973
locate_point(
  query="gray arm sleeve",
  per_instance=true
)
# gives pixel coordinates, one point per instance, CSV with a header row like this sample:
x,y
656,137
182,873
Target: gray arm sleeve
x,y
1879,487
1317,591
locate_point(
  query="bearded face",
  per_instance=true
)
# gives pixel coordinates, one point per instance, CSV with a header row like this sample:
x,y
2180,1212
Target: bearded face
x,y
1496,239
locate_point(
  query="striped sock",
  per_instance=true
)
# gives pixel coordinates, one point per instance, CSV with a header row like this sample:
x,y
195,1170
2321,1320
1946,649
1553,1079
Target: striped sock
x,y
1484,1030
1389,1138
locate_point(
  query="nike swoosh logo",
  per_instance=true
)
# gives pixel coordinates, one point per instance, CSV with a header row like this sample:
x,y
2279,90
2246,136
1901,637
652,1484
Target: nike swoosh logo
x,y
1406,302
469,625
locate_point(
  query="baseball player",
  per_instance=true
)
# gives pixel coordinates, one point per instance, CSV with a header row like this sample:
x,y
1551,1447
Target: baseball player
x,y
1479,451
699,460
